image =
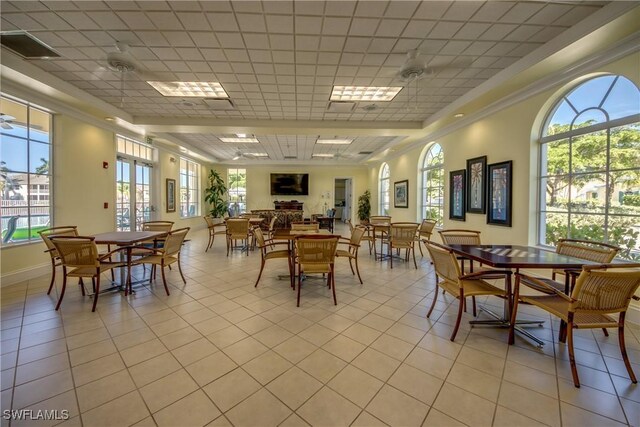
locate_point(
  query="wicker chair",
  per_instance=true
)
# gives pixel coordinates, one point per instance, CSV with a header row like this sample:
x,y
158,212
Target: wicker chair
x,y
305,226
46,234
451,280
424,232
380,225
79,258
353,244
165,256
316,254
367,237
599,291
267,252
237,229
272,226
402,235
212,225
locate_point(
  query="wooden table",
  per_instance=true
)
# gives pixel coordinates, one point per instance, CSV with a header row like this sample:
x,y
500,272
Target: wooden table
x,y
127,239
515,257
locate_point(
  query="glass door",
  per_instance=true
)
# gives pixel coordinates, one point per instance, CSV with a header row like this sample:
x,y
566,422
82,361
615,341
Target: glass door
x,y
143,194
133,194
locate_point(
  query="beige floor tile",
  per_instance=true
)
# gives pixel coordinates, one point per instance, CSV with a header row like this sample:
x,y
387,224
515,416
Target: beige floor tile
x,y
153,369
98,392
294,421
592,400
180,337
416,383
441,346
295,349
231,389
474,381
167,390
267,366
245,350
406,333
436,418
322,365
211,368
531,379
41,368
356,385
361,333
318,334
336,323
194,351
376,363
91,352
65,401
227,336
375,321
482,361
262,408
343,347
146,422
392,346
529,403
572,416
365,419
328,408
431,363
273,335
396,408
42,389
141,352
125,410
294,387
507,418
133,338
464,406
632,410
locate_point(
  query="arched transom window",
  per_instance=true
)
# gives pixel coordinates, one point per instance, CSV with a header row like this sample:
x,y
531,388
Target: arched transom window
x,y
590,166
432,189
384,189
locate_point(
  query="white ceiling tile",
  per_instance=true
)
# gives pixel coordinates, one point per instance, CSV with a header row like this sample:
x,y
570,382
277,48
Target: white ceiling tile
x,y
549,13
137,20
404,45
153,38
262,69
153,5
328,58
230,40
492,11
523,33
247,6
190,54
260,55
279,41
194,21
165,53
357,44
306,57
283,56
222,21
471,30
51,21
418,29
79,20
308,24
107,20
308,7
432,9
178,38
576,15
478,48
74,38
307,42
281,6
332,43
461,11
497,32
339,8
164,20
546,34
279,24
521,12
401,9
185,5
204,39
445,30
335,26
391,27
455,47
363,26
252,23
379,45
213,54
256,41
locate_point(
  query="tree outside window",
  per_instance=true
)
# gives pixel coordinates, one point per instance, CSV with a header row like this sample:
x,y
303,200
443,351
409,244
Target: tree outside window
x,y
237,190
432,190
384,189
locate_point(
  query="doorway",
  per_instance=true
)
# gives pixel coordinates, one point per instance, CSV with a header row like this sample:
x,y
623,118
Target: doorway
x,y
133,194
343,198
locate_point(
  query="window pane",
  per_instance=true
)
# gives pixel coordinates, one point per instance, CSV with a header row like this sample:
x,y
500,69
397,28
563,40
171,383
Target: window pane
x,y
15,118
589,152
561,119
624,232
13,186
14,222
555,158
39,125
589,193
587,227
14,154
39,221
624,99
39,157
589,118
555,193
590,93
625,147
556,227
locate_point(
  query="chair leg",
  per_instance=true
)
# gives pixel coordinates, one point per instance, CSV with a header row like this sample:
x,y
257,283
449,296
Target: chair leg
x,y
473,301
433,303
53,276
64,287
413,251
460,305
606,333
420,247
180,270
358,270
95,296
390,252
164,279
562,332
572,358
299,284
623,348
228,242
332,277
514,312
209,243
351,265
260,274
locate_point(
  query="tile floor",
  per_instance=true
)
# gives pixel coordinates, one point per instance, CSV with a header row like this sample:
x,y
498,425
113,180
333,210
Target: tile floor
x,y
220,352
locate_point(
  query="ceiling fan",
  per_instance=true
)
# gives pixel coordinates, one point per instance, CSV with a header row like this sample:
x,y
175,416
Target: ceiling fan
x,y
415,67
239,155
5,121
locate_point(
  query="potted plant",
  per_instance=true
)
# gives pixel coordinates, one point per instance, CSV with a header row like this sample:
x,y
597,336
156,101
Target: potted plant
x,y
214,194
364,207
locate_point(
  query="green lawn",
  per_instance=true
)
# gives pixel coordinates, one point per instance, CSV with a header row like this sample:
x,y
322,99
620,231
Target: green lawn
x,y
23,233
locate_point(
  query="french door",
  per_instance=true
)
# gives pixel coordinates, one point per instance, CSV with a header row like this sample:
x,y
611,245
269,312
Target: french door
x,y
133,194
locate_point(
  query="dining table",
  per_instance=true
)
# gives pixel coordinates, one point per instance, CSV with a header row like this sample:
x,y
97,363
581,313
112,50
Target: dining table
x,y
127,239
514,258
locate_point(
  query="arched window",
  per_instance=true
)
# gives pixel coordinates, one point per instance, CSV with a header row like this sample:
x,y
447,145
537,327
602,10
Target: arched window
x,y
432,189
590,166
384,189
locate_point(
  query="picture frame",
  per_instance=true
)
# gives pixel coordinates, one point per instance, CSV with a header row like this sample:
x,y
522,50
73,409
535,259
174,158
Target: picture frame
x,y
500,176
171,195
401,194
477,185
457,197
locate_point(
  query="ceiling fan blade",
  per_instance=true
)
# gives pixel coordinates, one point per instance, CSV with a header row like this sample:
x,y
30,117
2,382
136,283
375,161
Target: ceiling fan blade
x,y
6,117
6,125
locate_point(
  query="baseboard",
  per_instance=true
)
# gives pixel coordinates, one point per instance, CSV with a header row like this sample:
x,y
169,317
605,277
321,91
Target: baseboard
x,y
24,274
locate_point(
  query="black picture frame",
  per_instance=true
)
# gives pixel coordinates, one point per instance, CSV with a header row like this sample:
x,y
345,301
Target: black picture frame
x,y
401,194
457,196
477,185
171,195
499,200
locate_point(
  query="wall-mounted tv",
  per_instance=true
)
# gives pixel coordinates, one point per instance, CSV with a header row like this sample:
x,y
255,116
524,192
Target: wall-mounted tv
x,y
289,184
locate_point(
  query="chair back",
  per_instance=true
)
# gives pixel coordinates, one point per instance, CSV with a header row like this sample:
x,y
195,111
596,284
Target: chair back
x,y
257,233
209,221
173,241
316,250
76,251
63,230
460,237
380,220
157,225
444,262
238,228
403,232
351,227
587,249
356,235
426,228
605,289
309,226
272,223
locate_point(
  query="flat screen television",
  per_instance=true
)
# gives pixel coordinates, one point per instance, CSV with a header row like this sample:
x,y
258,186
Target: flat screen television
x,y
289,184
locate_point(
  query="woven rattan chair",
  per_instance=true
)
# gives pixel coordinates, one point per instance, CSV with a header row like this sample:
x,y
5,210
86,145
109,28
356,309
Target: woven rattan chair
x,y
351,252
451,280
424,232
380,225
305,226
46,234
165,256
272,226
402,235
599,292
316,254
367,237
80,258
237,229
216,226
268,251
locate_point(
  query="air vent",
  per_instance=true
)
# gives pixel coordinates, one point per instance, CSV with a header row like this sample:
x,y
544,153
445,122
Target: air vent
x,y
341,107
290,157
219,104
26,45
365,152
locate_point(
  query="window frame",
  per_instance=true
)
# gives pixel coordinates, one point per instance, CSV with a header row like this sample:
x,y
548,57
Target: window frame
x,y
381,200
424,169
196,179
235,191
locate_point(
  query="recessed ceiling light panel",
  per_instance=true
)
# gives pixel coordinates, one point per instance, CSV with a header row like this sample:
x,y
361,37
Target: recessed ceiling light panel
x,y
322,155
191,89
364,93
257,154
342,141
235,139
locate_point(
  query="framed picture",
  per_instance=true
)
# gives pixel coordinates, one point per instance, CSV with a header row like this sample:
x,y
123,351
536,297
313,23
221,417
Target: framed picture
x,y
171,195
401,194
456,195
477,185
499,210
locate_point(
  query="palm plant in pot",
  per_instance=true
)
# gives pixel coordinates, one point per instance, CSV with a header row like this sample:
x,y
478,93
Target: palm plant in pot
x,y
364,207
214,194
